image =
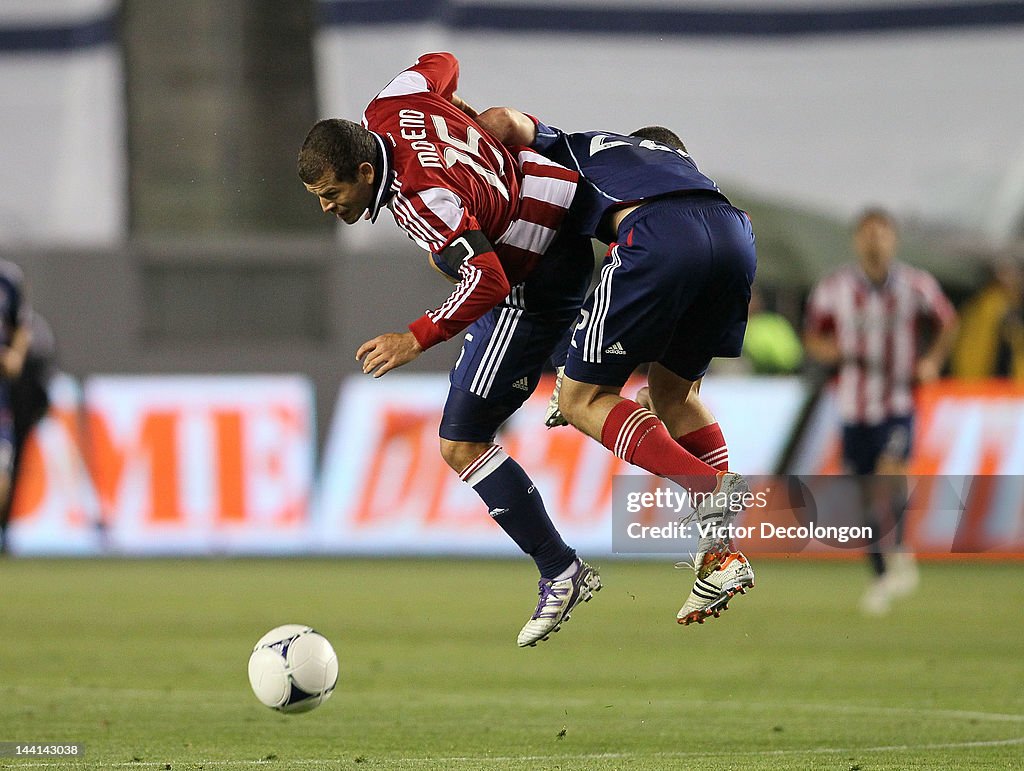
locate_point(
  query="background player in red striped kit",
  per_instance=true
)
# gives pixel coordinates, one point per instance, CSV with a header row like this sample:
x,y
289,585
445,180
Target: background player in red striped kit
x,y
489,220
864,319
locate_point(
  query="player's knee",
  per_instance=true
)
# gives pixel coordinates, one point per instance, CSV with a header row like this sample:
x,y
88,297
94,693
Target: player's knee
x,y
575,400
453,453
458,455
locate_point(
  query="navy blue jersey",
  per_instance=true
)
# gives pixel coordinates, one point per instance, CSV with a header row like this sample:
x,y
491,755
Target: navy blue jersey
x,y
618,170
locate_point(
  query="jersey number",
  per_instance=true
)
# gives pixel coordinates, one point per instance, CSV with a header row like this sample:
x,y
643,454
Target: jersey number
x,y
466,341
581,325
468,153
600,142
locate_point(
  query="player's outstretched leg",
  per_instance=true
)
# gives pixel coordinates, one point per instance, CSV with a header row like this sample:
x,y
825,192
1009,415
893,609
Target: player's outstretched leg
x,y
558,596
516,506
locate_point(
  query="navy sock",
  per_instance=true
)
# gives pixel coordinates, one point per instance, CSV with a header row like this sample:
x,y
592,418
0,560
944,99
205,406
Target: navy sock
x,y
876,560
876,557
516,505
900,502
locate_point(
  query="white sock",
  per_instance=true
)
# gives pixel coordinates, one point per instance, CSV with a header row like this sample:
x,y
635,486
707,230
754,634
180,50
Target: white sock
x,y
569,572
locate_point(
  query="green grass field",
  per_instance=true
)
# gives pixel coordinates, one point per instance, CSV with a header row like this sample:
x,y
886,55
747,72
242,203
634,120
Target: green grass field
x,y
145,663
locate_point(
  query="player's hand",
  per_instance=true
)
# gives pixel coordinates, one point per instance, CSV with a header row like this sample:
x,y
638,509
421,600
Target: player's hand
x,y
927,371
11,363
386,352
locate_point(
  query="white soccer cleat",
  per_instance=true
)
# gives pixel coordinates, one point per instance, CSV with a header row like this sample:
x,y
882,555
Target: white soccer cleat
x,y
731,575
900,579
557,599
718,509
877,599
553,417
901,575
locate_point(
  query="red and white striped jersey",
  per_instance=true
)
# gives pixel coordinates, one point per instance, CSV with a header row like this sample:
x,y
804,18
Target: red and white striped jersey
x,y
877,330
445,176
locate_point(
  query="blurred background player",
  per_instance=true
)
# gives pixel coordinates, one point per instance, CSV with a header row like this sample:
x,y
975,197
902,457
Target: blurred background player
x,y
29,402
674,291
15,338
863,319
489,222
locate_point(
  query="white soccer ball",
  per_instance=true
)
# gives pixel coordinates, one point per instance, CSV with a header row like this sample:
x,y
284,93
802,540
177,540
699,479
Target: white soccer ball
x,y
293,669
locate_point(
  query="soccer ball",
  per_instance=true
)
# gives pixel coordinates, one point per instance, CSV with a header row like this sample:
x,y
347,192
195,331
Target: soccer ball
x,y
293,669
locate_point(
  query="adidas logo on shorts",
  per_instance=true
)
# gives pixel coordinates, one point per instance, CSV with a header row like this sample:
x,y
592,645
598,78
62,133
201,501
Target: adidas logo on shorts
x,y
522,384
616,348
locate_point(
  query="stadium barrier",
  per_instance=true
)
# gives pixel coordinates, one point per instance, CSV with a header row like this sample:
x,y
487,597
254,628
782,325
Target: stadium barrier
x,y
385,488
169,465
225,465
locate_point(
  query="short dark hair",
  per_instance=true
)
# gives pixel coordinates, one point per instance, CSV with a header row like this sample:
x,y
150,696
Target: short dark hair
x,y
335,145
660,134
879,213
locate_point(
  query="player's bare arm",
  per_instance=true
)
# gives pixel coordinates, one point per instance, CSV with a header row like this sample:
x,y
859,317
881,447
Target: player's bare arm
x,y
387,352
508,126
463,105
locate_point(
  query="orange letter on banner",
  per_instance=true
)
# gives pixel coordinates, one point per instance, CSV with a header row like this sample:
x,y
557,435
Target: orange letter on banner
x,y
30,486
231,476
274,465
41,469
156,444
401,439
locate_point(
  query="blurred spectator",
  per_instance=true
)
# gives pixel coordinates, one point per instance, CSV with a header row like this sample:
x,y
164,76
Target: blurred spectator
x,y
863,320
991,339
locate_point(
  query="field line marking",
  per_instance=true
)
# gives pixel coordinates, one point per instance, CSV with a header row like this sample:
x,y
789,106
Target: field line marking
x,y
808,706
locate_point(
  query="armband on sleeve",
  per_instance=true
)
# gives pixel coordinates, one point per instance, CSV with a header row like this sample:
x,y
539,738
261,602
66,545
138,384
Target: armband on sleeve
x,y
482,285
450,259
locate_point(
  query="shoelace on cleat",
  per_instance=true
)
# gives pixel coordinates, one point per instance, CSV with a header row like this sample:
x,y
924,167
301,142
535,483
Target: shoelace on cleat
x,y
688,518
690,564
547,591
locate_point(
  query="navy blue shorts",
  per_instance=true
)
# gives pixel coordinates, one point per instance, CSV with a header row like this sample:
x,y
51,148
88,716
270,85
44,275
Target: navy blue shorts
x,y
864,445
674,289
504,352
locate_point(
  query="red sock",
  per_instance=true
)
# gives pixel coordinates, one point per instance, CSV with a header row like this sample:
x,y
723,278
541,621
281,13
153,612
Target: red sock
x,y
637,436
708,445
